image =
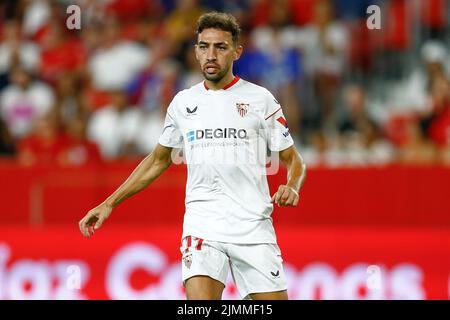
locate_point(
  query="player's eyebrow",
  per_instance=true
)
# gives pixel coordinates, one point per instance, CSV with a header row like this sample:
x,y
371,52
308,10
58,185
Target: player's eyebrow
x,y
215,43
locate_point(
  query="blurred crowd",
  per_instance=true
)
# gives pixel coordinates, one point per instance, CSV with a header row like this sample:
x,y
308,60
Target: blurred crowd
x,y
352,96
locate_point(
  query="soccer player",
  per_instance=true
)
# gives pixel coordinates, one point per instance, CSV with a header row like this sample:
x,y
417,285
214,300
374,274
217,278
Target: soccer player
x,y
220,123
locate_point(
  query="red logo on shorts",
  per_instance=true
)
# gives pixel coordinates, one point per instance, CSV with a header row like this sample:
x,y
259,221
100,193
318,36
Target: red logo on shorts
x,y
188,261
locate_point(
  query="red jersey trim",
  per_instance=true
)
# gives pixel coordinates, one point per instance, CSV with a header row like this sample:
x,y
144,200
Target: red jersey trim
x,y
233,82
274,113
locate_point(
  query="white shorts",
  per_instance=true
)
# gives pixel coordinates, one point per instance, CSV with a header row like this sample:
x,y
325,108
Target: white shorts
x,y
254,267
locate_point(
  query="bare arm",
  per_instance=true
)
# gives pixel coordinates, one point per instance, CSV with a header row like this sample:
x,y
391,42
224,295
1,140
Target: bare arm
x,y
287,195
143,175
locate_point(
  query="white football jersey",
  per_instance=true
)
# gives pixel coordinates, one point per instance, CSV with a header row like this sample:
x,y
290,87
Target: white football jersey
x,y
225,135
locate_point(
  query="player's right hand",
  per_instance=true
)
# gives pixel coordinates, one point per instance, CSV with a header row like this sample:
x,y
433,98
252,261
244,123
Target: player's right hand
x,y
285,197
94,219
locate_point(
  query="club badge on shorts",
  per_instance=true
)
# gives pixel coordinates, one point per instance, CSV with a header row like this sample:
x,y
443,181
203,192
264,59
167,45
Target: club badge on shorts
x,y
242,108
187,260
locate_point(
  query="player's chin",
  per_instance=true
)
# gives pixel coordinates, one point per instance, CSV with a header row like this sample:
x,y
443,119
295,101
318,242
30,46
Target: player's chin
x,y
213,77
216,75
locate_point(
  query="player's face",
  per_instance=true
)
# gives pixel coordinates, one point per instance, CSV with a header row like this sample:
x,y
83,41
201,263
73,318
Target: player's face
x,y
216,52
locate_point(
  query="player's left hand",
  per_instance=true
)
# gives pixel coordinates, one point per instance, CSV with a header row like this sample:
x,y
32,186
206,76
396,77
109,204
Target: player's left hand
x,y
285,197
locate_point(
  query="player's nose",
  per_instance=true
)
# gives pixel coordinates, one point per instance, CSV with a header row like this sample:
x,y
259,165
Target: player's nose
x,y
211,54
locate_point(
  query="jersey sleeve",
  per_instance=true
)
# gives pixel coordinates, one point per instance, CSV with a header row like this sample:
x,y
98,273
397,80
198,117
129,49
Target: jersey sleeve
x,y
279,137
171,135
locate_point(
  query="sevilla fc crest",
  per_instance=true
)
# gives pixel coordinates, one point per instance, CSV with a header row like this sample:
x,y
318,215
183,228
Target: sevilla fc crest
x,y
242,108
188,261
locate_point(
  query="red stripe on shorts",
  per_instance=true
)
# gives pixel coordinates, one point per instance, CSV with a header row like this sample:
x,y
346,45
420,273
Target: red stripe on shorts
x,y
189,241
199,244
188,238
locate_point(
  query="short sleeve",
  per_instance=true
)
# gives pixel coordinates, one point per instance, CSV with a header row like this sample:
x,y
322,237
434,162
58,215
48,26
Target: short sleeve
x,y
279,137
171,135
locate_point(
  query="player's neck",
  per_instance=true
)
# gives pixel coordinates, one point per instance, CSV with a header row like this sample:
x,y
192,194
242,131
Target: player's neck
x,y
225,81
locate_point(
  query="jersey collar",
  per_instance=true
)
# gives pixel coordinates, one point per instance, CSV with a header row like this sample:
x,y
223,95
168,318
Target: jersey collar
x,y
232,83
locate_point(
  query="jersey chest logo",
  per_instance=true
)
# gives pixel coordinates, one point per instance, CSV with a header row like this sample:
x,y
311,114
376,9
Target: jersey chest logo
x,y
191,112
242,108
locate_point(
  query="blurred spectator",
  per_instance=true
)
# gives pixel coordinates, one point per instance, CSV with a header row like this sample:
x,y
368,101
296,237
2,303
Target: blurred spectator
x,y
36,15
192,75
115,127
411,94
261,12
416,150
60,54
394,39
155,89
397,35
130,10
248,66
434,15
324,149
379,151
439,124
356,115
324,45
45,145
150,128
15,51
24,101
444,156
351,9
94,12
361,134
436,59
115,63
8,9
79,150
180,23
156,86
302,11
158,83
7,147
91,38
69,102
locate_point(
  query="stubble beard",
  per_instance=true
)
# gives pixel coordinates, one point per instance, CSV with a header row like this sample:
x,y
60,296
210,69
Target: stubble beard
x,y
216,77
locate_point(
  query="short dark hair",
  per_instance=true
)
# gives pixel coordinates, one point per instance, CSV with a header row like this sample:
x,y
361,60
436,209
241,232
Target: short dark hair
x,y
219,20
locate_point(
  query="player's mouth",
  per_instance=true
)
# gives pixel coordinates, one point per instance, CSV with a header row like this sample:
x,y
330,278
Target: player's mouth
x,y
210,68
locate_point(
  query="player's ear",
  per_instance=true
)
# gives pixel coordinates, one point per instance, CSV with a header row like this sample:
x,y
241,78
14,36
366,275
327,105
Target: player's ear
x,y
238,52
